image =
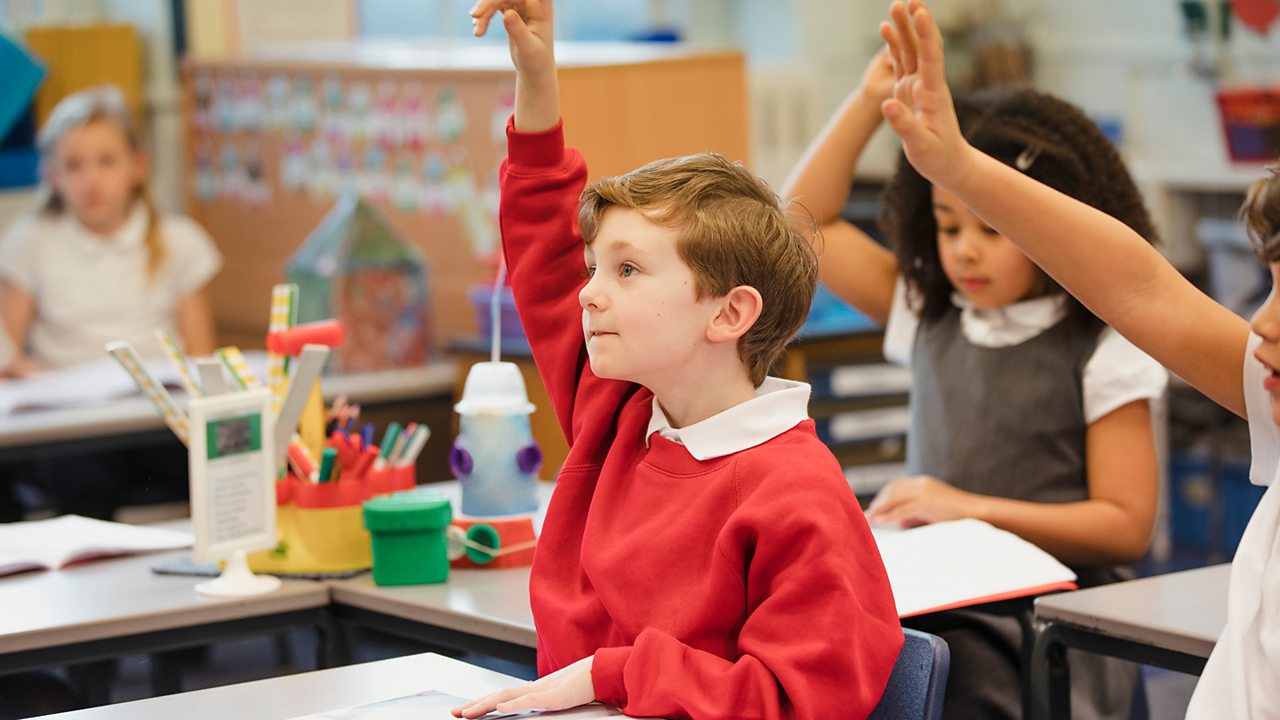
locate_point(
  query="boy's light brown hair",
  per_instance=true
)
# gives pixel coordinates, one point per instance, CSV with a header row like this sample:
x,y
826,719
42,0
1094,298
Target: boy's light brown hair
x,y
733,231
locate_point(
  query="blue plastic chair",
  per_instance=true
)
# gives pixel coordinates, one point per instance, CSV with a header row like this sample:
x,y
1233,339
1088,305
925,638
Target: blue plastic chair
x,y
919,680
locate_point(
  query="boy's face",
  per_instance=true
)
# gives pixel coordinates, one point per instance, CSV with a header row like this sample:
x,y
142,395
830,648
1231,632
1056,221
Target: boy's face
x,y
983,265
641,317
1266,322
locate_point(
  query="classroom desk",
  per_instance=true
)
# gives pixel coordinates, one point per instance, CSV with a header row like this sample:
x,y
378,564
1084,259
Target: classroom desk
x,y
321,691
113,607
133,421
1170,621
483,611
478,610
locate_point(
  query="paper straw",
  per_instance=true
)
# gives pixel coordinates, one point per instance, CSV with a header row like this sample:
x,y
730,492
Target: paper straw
x,y
235,362
179,362
173,416
282,311
495,313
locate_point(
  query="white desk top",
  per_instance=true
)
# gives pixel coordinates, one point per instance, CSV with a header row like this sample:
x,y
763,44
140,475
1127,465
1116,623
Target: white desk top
x,y
119,597
486,603
1183,611
1198,175
136,414
321,691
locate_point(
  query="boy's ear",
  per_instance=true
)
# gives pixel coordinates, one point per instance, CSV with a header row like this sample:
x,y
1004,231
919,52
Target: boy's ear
x,y
739,310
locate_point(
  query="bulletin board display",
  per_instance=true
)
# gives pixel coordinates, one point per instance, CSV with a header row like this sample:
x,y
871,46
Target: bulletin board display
x,y
418,132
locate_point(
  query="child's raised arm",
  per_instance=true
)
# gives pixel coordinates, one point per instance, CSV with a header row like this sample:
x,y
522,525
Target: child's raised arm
x,y
529,25
1097,258
853,265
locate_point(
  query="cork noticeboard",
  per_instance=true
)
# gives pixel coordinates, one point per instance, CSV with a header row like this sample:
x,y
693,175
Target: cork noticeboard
x,y
418,131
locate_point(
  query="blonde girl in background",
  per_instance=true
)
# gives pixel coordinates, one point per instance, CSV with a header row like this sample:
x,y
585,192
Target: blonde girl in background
x,y
1027,412
1122,279
98,263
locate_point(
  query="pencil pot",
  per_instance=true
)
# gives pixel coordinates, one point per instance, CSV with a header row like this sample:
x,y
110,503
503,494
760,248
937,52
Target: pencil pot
x,y
1250,123
320,530
392,479
409,543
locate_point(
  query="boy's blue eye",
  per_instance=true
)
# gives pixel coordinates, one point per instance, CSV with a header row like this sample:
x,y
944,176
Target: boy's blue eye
x,y
627,270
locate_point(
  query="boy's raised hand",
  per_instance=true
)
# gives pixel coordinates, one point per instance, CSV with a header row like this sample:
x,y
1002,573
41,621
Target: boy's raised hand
x,y
529,25
921,110
529,31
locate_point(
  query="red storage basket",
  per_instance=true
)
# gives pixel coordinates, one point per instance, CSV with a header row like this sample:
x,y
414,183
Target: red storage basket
x,y
1250,123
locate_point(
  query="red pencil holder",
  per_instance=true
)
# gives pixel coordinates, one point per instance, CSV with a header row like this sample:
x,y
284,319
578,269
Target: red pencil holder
x,y
1250,123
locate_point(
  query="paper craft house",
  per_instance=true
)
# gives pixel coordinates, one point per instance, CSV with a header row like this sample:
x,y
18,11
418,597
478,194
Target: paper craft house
x,y
355,268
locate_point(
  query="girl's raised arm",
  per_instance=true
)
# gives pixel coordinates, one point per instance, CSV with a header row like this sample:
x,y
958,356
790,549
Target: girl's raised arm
x,y
852,264
1097,258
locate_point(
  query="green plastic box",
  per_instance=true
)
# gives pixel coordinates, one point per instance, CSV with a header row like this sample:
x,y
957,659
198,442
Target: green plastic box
x,y
408,532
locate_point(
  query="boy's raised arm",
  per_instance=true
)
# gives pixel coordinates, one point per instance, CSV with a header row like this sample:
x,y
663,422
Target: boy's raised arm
x,y
541,181
531,38
1097,258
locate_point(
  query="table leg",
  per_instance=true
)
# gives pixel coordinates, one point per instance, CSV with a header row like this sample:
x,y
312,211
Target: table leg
x,y
1050,676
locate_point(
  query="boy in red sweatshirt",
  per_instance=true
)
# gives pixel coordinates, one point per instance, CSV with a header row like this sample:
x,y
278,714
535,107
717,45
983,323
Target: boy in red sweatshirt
x,y
702,555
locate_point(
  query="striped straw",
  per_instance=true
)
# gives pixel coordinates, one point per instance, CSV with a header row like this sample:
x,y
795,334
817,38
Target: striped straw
x,y
283,309
173,416
235,362
179,362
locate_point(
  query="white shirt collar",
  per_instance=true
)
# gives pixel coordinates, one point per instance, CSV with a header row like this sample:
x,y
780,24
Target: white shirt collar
x,y
128,236
1012,324
778,406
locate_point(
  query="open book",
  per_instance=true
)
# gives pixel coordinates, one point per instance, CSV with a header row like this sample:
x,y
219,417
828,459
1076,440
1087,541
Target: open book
x,y
88,384
62,541
958,563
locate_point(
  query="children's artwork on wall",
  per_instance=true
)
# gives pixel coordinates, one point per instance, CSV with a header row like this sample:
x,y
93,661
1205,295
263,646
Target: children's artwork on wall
x,y
374,182
414,118
433,185
279,102
251,109
501,112
451,116
305,107
355,268
206,172
224,103
360,113
202,93
231,183
387,130
406,190
257,190
294,168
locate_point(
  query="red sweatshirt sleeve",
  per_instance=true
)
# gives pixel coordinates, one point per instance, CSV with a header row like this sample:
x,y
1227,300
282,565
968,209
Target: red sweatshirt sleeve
x,y
821,633
541,181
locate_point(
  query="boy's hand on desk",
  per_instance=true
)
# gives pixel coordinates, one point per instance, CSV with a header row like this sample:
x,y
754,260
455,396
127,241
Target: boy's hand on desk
x,y
914,501
565,688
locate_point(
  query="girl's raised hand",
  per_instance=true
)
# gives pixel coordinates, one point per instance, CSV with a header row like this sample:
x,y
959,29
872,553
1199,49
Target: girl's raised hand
x,y
879,78
529,25
921,110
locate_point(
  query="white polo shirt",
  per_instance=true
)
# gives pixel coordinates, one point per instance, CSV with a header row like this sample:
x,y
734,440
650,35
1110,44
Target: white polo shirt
x,y
91,289
1242,678
778,406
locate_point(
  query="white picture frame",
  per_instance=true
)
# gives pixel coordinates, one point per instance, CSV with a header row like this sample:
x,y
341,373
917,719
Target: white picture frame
x,y
232,474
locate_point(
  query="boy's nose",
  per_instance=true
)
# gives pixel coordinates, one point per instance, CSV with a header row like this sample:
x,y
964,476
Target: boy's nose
x,y
589,297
